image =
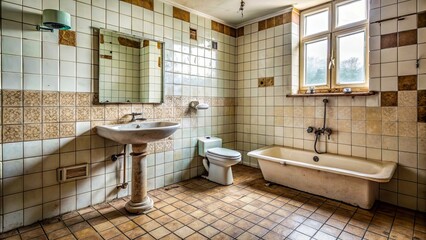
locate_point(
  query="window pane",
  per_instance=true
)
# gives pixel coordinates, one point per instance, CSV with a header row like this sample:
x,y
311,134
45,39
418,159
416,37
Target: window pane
x,y
316,23
316,63
351,12
351,58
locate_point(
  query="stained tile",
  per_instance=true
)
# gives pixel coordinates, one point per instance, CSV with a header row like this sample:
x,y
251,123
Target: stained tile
x,y
421,98
389,40
421,114
68,37
421,20
407,38
389,99
407,82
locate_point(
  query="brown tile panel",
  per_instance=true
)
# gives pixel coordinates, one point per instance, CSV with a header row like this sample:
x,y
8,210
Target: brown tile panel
x,y
287,17
199,209
389,40
219,27
129,42
407,37
67,37
181,14
389,99
407,82
421,20
148,4
106,56
262,25
421,98
279,20
240,32
193,34
421,114
270,22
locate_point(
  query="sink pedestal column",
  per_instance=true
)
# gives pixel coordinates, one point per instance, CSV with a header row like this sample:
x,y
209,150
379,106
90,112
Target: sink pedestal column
x,y
139,202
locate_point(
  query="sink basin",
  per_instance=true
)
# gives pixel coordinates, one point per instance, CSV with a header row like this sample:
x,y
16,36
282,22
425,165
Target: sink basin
x,y
138,133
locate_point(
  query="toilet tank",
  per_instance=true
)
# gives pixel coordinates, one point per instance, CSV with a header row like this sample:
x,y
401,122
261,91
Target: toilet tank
x,y
205,143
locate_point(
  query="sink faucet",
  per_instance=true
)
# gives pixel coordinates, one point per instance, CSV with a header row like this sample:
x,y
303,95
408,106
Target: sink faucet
x,y
134,114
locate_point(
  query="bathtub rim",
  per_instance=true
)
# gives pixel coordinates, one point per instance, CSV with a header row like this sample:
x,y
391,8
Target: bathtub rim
x,y
387,166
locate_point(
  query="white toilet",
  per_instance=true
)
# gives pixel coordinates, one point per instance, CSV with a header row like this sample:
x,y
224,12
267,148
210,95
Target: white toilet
x,y
217,160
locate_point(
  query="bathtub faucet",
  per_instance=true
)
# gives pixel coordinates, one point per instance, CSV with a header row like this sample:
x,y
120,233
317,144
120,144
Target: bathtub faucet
x,y
320,131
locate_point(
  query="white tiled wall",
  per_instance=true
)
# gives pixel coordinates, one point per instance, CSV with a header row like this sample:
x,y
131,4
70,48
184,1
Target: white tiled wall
x,y
34,61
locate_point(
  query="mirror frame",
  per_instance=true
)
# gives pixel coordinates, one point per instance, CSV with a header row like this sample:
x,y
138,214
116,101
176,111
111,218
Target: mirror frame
x,y
97,31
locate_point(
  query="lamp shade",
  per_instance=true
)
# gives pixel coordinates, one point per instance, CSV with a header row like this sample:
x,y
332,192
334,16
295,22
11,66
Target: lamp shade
x,y
56,19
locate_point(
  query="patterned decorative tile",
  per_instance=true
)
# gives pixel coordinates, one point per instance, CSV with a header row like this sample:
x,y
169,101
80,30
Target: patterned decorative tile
x,y
32,115
83,99
50,130
50,114
67,114
111,112
12,98
32,132
12,133
50,98
97,113
32,98
12,115
67,129
83,113
67,99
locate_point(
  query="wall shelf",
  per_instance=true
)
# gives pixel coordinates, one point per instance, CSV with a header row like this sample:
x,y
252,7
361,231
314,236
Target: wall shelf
x,y
339,94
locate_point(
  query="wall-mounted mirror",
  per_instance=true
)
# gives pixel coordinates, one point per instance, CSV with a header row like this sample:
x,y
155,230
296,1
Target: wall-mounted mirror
x,y
130,68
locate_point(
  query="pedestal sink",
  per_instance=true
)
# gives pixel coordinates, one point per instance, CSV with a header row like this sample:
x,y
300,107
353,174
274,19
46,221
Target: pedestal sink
x,y
139,135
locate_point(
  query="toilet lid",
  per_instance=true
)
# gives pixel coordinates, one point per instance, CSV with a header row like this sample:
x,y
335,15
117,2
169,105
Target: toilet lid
x,y
224,152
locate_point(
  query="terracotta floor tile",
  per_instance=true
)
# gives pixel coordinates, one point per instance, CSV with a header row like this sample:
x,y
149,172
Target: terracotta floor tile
x,y
196,236
59,233
184,232
110,233
159,232
199,209
135,232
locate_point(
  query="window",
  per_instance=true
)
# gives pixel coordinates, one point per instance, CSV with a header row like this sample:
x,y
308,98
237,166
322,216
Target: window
x,y
334,47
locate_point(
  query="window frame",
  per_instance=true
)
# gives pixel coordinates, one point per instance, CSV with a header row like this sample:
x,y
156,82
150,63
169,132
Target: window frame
x,y
332,34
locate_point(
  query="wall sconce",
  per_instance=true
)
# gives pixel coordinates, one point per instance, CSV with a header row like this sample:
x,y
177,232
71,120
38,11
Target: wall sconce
x,y
55,19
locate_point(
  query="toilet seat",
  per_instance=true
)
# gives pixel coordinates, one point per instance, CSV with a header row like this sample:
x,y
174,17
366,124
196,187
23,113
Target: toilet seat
x,y
223,153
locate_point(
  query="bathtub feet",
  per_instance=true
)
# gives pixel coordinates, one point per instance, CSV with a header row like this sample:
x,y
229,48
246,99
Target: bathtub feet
x,y
269,184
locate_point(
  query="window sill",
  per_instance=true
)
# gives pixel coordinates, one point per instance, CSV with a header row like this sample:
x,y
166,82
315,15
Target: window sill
x,y
339,94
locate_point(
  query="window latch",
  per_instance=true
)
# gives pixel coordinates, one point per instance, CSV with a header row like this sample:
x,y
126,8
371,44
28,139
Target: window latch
x,y
331,64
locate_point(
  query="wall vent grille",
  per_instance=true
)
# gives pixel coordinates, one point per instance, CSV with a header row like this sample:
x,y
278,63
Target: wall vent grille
x,y
73,172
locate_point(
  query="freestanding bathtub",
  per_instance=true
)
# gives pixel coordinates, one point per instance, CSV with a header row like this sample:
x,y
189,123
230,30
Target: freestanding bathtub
x,y
349,179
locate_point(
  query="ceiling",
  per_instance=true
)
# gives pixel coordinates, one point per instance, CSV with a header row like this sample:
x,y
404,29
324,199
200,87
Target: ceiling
x,y
227,10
